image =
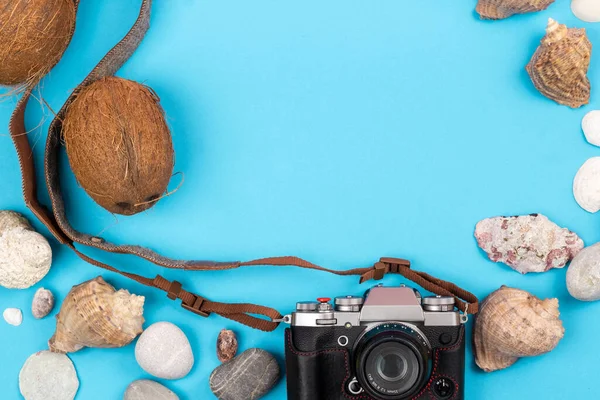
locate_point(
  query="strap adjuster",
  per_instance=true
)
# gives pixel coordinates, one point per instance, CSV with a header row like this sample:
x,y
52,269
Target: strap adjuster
x,y
174,290
195,308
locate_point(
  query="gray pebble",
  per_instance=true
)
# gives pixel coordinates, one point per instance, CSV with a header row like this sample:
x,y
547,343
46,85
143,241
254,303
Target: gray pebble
x,y
583,275
164,351
145,389
248,376
48,376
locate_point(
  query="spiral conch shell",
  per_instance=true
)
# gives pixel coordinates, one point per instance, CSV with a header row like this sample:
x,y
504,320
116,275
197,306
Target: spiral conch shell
x,y
94,314
513,323
559,66
500,9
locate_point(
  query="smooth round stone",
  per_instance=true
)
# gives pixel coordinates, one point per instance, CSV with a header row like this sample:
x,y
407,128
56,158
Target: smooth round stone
x,y
590,124
145,389
164,351
586,10
583,275
48,376
248,376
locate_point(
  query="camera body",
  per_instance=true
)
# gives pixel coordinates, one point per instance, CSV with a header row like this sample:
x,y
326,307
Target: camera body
x,y
391,344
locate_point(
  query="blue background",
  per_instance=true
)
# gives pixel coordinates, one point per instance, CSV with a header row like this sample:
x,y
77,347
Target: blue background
x,y
339,131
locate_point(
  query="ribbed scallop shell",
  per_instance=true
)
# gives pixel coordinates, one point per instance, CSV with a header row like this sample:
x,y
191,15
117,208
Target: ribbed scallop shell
x,y
499,9
558,68
513,323
94,314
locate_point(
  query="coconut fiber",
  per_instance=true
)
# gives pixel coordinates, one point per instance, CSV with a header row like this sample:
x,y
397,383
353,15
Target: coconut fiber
x,y
119,145
33,36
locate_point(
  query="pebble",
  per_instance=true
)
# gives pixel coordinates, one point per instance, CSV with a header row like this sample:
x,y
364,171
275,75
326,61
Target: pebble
x,y
586,185
583,275
42,304
48,376
145,389
227,345
527,243
248,376
25,255
586,10
591,126
13,316
164,351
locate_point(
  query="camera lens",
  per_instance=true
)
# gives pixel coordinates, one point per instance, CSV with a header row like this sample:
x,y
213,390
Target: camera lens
x,y
392,361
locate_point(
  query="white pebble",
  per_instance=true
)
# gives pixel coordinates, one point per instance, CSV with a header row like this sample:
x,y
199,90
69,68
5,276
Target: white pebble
x,y
583,275
48,376
164,351
586,185
591,126
586,10
13,316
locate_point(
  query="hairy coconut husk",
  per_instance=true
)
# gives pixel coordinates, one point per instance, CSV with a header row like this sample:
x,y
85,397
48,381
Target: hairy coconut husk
x,y
119,145
33,36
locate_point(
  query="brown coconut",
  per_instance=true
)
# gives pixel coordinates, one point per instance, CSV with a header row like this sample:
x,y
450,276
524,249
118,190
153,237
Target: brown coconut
x,y
33,36
119,145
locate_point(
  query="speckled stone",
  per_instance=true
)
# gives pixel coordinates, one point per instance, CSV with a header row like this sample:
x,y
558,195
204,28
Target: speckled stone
x,y
583,275
145,389
42,304
248,376
164,351
527,243
227,345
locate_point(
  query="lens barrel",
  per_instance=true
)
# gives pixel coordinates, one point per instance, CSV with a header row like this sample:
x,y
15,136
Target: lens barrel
x,y
392,361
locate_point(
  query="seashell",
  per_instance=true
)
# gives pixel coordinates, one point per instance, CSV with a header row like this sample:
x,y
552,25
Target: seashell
x,y
586,10
513,323
48,376
500,9
527,243
586,185
94,314
591,127
164,351
583,275
227,345
559,66
25,255
43,303
13,316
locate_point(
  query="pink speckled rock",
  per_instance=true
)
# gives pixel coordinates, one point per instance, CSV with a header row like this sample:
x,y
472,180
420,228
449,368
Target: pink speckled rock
x,y
527,243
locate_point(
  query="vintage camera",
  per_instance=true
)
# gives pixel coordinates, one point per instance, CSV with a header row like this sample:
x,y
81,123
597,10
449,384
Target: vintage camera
x,y
392,344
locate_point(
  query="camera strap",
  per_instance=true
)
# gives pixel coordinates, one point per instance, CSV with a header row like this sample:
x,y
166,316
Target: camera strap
x,y
57,223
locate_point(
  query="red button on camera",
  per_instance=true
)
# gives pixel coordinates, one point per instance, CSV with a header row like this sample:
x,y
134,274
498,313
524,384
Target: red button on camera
x,y
324,299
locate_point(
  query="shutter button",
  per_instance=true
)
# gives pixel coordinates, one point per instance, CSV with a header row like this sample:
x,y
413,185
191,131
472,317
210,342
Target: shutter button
x,y
324,299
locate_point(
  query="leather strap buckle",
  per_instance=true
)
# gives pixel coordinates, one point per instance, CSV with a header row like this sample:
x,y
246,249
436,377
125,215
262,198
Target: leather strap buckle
x,y
174,290
379,270
195,308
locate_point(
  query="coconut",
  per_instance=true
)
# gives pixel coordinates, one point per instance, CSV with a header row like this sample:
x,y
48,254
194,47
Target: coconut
x,y
33,36
119,145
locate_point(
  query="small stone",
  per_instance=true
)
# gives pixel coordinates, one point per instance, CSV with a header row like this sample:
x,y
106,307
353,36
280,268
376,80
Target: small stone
x,y
145,389
586,185
43,303
227,345
48,376
164,351
591,125
248,376
25,255
13,316
583,275
586,10
527,243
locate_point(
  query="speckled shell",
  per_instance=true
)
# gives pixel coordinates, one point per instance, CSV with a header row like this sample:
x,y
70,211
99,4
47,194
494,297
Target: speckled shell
x,y
499,9
94,314
513,323
558,68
